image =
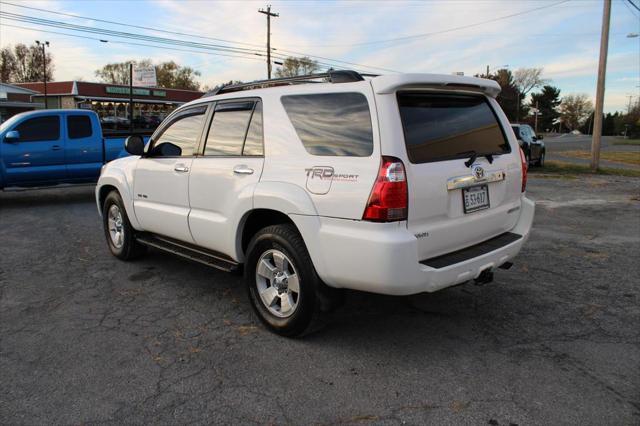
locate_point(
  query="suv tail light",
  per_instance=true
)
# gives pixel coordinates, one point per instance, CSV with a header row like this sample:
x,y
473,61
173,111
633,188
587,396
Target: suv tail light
x,y
388,199
525,167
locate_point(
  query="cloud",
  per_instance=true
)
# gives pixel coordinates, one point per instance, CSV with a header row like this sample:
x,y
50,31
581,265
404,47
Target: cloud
x,y
563,39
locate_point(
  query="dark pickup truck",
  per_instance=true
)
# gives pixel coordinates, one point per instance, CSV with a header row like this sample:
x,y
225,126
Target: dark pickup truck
x,y
50,147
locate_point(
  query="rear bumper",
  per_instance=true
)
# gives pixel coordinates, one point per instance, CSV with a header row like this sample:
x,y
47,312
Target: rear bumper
x,y
382,258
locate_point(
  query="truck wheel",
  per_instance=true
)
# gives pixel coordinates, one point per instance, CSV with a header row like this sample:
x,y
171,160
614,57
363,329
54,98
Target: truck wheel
x,y
281,281
118,230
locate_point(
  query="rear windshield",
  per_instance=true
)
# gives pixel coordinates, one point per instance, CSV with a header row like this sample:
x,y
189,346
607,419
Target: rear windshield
x,y
439,127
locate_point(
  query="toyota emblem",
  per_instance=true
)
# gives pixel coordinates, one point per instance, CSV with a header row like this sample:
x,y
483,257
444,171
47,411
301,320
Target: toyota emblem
x,y
478,172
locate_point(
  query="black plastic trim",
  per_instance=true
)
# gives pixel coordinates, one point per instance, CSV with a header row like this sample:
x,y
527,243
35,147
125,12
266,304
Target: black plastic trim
x,y
471,252
189,251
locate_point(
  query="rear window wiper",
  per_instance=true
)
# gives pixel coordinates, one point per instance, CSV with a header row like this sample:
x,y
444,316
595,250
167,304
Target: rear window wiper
x,y
474,155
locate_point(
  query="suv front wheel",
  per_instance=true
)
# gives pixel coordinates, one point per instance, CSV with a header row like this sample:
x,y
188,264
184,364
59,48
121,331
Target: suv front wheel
x,y
118,230
281,280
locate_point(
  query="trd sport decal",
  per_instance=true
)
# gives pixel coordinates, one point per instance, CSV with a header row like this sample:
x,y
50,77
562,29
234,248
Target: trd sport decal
x,y
328,173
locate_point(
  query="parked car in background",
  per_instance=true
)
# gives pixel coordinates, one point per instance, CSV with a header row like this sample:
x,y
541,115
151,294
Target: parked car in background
x,y
397,185
49,147
531,144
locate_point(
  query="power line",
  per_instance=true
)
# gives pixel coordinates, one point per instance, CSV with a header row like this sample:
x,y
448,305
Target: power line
x,y
633,12
231,48
129,25
97,30
275,55
130,43
634,5
448,30
199,46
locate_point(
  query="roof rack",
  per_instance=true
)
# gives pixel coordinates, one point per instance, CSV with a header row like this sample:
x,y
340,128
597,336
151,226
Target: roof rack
x,y
340,76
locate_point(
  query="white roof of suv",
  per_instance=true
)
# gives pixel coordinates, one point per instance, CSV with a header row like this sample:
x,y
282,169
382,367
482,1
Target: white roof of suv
x,y
383,84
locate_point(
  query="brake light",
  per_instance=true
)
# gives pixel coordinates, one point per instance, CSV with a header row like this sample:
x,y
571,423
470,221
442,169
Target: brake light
x,y
388,199
525,167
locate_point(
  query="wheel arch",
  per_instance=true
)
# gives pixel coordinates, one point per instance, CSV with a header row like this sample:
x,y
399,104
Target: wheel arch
x,y
255,220
115,181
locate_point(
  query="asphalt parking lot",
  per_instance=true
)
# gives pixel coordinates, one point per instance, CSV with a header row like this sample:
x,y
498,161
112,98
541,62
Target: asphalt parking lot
x,y
87,339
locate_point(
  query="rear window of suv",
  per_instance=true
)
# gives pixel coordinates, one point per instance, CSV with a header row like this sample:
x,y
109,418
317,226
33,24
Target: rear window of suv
x,y
439,127
332,124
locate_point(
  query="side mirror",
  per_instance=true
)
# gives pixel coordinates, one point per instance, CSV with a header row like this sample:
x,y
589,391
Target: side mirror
x,y
134,145
12,137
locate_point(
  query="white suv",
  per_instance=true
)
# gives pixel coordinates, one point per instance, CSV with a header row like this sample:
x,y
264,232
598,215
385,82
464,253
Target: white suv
x,y
397,184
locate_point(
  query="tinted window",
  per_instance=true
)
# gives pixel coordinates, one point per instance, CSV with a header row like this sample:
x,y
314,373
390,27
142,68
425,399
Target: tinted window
x,y
228,130
180,138
444,127
79,126
253,142
45,128
332,123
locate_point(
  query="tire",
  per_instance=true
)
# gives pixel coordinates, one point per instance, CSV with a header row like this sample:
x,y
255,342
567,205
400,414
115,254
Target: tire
x,y
275,255
540,162
118,230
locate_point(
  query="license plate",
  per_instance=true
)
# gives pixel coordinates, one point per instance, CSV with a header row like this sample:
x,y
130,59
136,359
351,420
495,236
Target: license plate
x,y
475,198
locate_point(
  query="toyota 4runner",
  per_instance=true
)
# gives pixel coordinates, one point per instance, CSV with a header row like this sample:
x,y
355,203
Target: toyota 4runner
x,y
395,184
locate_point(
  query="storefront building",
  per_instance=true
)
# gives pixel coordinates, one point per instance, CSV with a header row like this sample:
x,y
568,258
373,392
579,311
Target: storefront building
x,y
15,99
111,101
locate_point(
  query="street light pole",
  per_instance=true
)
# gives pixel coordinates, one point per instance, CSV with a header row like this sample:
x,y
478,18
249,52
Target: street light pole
x,y
602,70
44,69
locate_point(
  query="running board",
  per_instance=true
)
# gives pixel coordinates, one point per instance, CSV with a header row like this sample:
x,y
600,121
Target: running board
x,y
189,251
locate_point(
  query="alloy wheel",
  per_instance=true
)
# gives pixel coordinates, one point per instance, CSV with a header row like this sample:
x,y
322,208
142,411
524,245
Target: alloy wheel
x,y
277,283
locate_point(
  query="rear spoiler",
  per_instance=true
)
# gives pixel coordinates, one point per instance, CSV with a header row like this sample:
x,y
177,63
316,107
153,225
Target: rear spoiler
x,y
387,84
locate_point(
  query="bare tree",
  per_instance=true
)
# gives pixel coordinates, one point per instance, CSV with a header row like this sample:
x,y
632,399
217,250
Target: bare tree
x,y
527,79
7,64
293,67
574,110
168,74
23,64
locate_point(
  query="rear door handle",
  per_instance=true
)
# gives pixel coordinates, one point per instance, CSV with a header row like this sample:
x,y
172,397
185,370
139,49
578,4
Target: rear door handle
x,y
242,170
56,148
181,168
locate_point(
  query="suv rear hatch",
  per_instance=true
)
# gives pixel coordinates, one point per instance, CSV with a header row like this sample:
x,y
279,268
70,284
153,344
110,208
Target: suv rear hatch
x,y
464,176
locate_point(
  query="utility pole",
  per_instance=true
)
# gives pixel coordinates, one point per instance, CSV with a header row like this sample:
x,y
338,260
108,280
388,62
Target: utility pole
x,y
44,69
487,71
536,125
131,97
602,70
269,15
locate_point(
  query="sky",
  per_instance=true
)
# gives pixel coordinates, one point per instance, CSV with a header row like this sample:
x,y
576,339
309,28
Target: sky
x,y
381,37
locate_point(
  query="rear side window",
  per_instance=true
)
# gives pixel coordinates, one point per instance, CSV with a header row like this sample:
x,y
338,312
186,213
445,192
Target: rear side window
x,y
439,127
253,142
36,129
79,126
228,129
332,124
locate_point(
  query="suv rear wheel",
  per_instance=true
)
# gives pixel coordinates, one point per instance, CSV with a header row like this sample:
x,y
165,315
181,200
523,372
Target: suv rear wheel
x,y
281,281
118,229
